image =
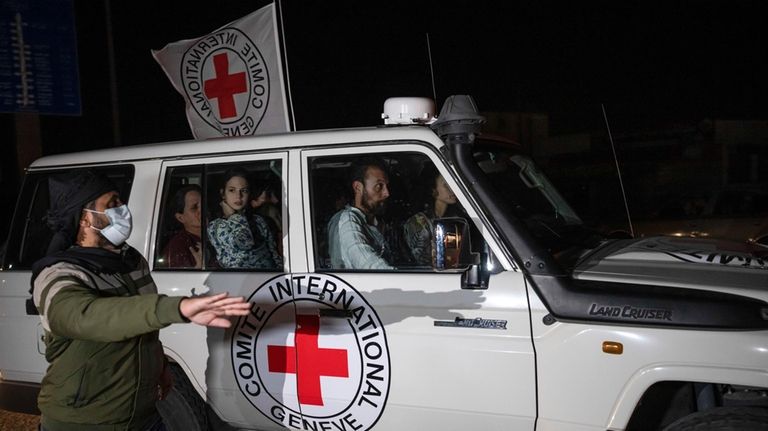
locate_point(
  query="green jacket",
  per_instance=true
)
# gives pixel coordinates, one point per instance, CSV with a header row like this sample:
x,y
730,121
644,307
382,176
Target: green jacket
x,y
101,337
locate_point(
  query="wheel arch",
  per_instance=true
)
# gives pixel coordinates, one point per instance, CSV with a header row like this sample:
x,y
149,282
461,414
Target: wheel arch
x,y
200,387
644,380
175,358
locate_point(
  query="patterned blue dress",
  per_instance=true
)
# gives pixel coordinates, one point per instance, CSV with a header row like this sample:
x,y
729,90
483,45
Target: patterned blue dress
x,y
239,246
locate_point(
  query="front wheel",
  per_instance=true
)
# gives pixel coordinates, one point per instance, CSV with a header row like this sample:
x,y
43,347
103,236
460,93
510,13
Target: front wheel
x,y
182,409
723,419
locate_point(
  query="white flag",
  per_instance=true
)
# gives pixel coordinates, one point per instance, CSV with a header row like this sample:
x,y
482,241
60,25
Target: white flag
x,y
232,78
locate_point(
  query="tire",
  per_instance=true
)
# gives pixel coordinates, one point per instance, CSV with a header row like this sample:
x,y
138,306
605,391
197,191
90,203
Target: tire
x,y
724,419
183,409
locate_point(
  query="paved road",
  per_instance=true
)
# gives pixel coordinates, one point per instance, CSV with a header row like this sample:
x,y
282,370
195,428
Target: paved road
x,y
10,421
18,397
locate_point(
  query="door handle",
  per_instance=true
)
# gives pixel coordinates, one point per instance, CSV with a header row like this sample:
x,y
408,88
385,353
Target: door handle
x,y
338,314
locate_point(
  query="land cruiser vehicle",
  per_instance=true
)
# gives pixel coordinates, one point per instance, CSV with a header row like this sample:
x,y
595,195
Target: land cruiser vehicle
x,y
540,323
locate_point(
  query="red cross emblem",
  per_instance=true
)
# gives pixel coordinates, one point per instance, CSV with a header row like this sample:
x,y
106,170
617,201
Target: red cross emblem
x,y
224,86
303,371
315,361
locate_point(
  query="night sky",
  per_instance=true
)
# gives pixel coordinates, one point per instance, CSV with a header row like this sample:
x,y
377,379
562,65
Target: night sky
x,y
648,63
651,63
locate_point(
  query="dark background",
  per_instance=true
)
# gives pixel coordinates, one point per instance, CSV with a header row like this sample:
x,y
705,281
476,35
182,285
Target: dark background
x,y
665,71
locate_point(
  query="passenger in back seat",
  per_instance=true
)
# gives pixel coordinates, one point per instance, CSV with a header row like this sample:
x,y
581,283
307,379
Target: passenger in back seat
x,y
241,238
184,248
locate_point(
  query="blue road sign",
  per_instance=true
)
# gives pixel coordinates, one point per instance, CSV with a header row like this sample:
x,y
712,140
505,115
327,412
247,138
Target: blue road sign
x,y
38,57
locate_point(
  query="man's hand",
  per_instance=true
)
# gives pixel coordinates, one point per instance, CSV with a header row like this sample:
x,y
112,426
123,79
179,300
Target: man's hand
x,y
226,209
214,310
259,201
197,254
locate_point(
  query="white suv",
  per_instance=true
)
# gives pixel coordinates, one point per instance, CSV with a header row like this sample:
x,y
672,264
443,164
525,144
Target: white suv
x,y
526,320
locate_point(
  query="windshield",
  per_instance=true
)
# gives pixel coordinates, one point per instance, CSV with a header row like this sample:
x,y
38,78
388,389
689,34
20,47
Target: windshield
x,y
534,199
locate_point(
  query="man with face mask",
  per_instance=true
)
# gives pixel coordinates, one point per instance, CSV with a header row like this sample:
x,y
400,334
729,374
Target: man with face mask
x,y
354,240
101,314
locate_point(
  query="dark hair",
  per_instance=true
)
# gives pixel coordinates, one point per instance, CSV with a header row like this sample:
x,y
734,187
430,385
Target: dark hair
x,y
235,172
179,198
424,198
176,205
270,184
228,175
360,167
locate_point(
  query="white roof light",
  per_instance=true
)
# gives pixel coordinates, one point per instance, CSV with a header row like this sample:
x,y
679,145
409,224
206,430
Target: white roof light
x,y
409,110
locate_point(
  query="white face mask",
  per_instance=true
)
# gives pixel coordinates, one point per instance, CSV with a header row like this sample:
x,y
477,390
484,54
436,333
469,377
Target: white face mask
x,y
120,225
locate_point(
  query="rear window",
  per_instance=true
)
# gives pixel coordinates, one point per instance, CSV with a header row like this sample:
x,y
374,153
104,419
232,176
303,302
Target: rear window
x,y
29,236
222,217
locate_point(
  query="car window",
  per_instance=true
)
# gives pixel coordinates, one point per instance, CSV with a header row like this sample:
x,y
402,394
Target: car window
x,y
179,240
30,235
221,217
388,212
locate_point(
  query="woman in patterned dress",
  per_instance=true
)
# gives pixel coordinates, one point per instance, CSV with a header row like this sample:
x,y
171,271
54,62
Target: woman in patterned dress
x,y
418,228
241,238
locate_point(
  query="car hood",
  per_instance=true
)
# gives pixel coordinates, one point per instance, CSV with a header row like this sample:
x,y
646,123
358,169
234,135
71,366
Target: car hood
x,y
695,263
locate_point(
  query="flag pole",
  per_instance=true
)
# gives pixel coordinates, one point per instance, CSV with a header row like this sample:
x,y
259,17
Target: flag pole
x,y
281,35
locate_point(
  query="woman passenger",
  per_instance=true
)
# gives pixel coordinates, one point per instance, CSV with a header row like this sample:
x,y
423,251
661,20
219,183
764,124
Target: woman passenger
x,y
438,200
183,250
241,238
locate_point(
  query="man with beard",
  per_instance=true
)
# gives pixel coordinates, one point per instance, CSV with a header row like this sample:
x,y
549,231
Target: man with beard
x,y
101,313
354,239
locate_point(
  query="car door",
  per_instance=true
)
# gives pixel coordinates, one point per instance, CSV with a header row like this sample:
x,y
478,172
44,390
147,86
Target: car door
x,y
22,353
406,347
224,365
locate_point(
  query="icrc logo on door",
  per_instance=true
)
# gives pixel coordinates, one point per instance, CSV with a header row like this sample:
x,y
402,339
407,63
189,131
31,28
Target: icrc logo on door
x,y
226,80
312,354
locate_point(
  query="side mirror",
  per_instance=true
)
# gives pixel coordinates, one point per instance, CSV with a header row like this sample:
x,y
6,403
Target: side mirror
x,y
475,277
451,243
453,250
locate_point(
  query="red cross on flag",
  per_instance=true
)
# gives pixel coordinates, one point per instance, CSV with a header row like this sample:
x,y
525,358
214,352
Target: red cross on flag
x,y
232,78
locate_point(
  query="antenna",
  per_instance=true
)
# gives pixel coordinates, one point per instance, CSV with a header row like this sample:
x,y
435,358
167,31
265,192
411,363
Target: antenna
x,y
431,70
618,171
